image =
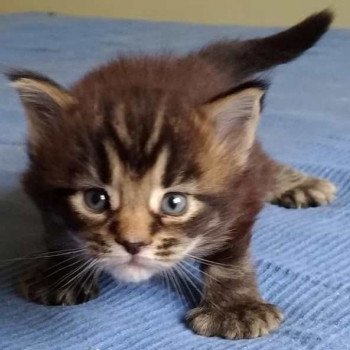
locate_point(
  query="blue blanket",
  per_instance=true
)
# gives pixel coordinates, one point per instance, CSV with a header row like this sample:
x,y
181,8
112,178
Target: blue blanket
x,y
302,256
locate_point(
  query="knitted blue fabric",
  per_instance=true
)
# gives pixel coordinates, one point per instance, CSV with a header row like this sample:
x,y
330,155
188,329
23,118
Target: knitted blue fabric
x,y
302,256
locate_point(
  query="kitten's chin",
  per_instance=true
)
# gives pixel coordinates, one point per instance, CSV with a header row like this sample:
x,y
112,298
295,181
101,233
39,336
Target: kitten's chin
x,y
130,272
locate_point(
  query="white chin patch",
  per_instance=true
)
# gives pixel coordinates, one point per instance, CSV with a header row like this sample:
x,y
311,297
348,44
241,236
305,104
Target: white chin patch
x,y
131,272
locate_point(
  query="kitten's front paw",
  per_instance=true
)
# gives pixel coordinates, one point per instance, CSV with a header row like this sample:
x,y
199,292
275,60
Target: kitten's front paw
x,y
313,192
35,287
243,321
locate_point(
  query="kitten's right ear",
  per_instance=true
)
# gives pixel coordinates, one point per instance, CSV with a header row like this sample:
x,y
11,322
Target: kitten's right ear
x,y
236,117
43,100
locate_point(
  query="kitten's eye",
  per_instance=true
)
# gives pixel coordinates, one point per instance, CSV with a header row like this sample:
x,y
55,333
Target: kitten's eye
x,y
174,204
96,199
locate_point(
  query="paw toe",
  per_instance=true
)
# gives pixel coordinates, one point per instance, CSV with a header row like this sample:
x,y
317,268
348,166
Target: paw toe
x,y
312,193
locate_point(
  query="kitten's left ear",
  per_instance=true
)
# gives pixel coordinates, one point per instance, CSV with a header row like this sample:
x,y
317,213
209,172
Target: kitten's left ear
x,y
236,117
43,100
36,90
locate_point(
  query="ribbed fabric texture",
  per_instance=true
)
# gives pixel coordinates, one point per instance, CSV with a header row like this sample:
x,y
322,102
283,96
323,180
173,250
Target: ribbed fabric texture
x,y
302,256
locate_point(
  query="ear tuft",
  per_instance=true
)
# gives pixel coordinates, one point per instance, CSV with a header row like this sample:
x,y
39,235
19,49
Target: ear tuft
x,y
15,74
35,88
262,84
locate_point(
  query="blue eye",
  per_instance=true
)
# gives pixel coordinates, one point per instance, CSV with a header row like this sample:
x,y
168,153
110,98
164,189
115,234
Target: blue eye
x,y
174,204
96,199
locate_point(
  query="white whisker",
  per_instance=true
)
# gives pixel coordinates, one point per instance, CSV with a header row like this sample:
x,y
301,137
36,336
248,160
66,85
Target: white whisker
x,y
201,271
176,286
69,275
63,267
44,255
196,278
77,273
89,272
166,280
186,279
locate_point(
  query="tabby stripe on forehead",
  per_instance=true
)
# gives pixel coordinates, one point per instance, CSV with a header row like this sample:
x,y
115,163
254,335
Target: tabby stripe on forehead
x,y
156,131
120,125
138,162
120,148
103,165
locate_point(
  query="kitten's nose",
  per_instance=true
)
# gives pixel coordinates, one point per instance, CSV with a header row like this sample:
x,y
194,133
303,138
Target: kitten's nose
x,y
133,247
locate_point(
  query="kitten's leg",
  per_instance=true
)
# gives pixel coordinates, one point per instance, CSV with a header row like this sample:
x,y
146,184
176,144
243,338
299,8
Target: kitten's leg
x,y
232,307
294,189
60,281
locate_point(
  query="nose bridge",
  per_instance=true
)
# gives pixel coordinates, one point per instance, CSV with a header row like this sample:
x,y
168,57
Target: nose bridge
x,y
135,224
134,217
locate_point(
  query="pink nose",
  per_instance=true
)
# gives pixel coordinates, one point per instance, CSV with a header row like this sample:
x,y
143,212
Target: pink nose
x,y
133,247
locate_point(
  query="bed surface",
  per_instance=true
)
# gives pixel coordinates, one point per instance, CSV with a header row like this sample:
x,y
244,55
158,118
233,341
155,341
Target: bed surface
x,y
302,256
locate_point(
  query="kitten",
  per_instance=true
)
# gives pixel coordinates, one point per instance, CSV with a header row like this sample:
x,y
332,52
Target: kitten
x,y
147,161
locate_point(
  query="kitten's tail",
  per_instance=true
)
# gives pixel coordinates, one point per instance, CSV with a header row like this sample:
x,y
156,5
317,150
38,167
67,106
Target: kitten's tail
x,y
242,59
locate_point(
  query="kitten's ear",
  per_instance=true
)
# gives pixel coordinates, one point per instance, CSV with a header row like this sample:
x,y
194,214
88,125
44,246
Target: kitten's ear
x,y
236,117
43,100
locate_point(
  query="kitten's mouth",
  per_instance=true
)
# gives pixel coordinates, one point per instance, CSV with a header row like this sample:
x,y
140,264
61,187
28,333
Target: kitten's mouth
x,y
136,261
134,269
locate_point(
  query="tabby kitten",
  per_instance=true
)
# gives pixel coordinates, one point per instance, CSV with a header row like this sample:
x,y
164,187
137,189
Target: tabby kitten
x,y
147,161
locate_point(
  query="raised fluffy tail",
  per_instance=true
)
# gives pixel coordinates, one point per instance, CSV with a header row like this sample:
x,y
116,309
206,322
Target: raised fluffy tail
x,y
242,59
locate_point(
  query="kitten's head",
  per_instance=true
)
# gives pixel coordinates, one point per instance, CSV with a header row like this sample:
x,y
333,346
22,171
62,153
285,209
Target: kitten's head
x,y
137,163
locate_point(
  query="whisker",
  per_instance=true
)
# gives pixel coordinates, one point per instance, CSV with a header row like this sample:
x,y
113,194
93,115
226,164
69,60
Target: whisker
x,y
58,283
43,255
77,274
176,286
190,274
201,271
208,262
33,267
75,262
165,276
202,294
91,276
84,276
55,285
186,281
57,252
